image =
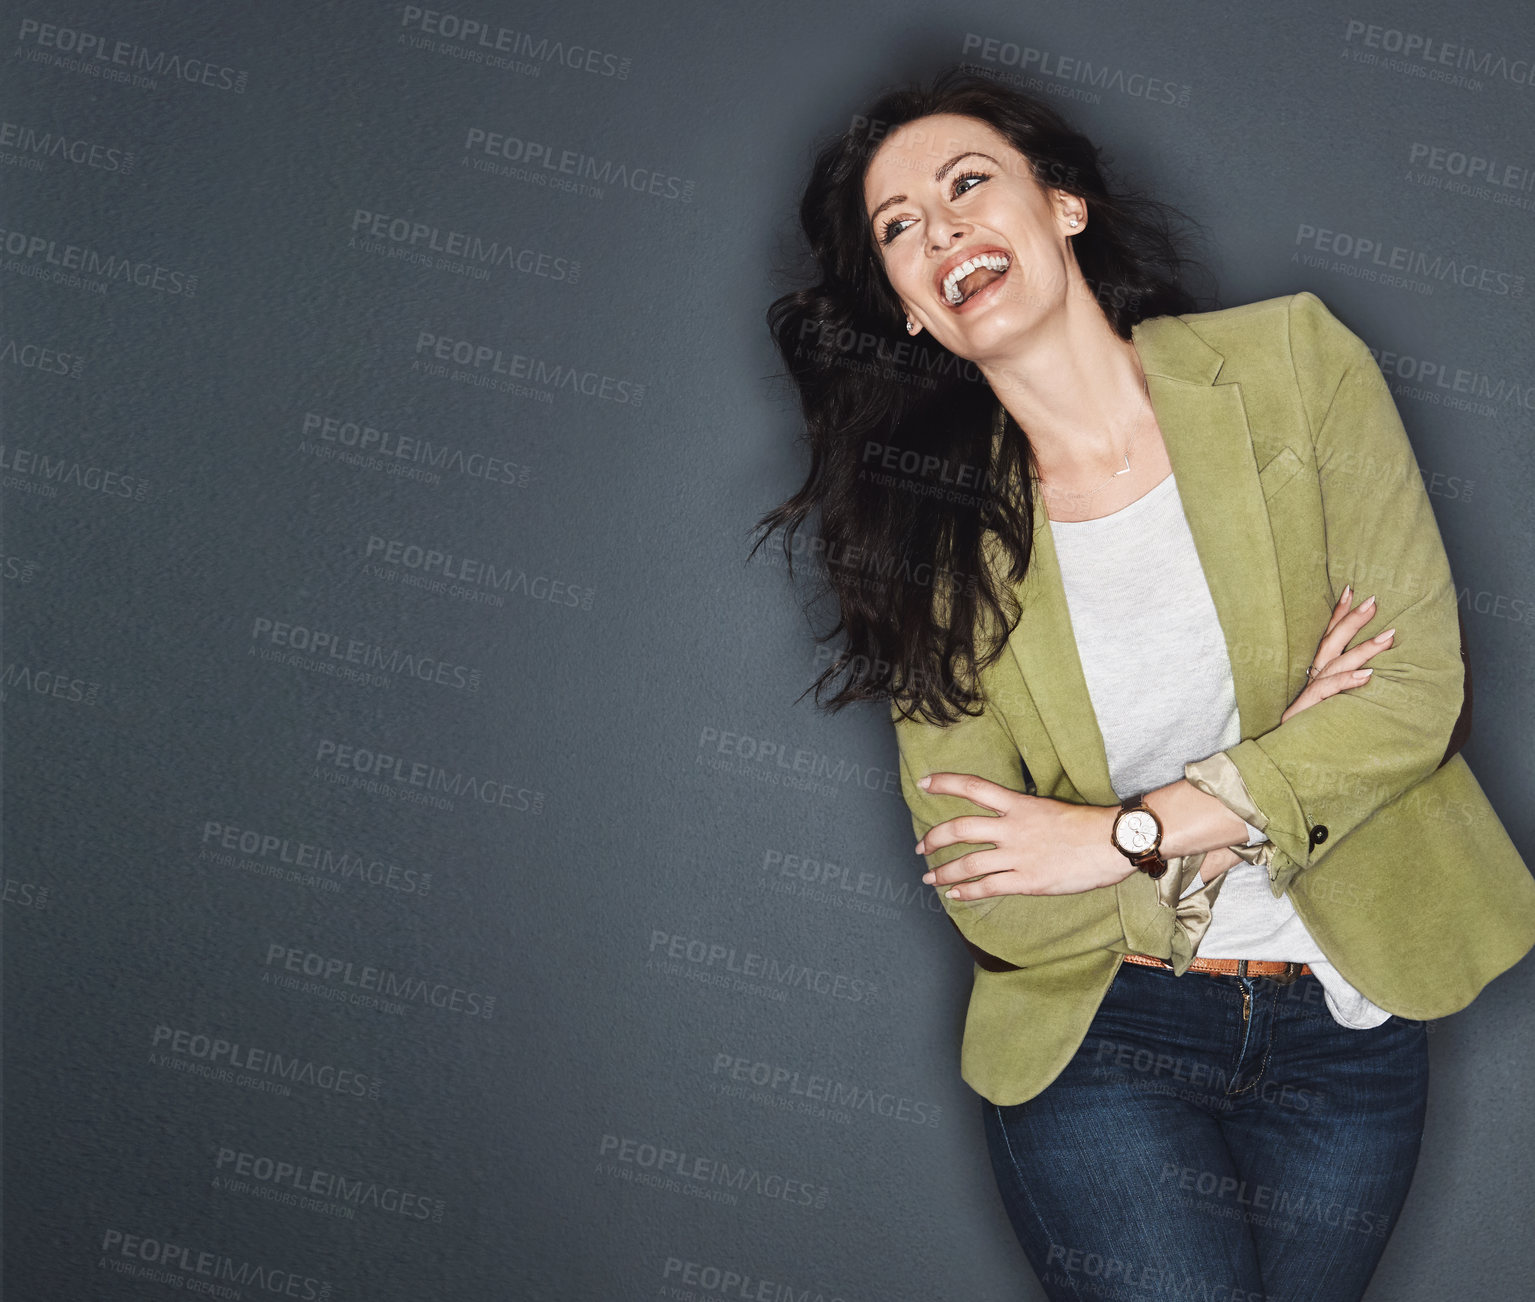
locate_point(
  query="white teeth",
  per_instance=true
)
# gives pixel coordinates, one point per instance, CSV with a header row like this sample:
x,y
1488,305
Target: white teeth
x,y
996,261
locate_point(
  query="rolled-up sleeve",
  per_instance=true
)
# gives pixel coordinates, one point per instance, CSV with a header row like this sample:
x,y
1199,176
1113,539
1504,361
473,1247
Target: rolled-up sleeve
x,y
1219,776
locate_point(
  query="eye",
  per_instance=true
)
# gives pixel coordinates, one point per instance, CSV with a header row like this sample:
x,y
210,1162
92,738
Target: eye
x,y
896,225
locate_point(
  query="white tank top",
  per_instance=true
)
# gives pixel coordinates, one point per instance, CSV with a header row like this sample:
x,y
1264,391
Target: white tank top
x,y
1164,696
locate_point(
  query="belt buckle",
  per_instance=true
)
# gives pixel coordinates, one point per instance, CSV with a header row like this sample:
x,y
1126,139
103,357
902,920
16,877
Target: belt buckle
x,y
1288,976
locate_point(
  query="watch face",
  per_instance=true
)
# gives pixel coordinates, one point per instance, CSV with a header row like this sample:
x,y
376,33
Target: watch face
x,y
1136,831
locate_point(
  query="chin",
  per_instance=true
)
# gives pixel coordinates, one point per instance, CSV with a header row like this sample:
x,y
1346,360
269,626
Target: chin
x,y
994,333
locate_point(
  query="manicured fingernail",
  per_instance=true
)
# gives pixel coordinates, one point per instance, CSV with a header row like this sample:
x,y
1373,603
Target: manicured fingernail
x,y
954,895
1368,601
919,846
1363,673
1383,637
1348,589
928,879
923,781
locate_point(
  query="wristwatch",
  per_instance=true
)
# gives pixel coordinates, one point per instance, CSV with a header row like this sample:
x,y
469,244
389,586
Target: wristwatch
x,y
1137,834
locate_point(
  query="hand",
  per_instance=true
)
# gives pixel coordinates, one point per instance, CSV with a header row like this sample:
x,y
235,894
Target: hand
x,y
1043,846
1333,669
1221,859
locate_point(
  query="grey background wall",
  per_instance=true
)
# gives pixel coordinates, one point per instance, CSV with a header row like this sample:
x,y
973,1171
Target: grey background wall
x,y
421,880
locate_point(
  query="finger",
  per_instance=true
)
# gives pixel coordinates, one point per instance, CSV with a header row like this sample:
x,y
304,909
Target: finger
x,y
987,794
1339,608
961,868
1342,629
1380,641
1331,684
1342,606
1308,696
1356,656
1328,684
974,829
1004,882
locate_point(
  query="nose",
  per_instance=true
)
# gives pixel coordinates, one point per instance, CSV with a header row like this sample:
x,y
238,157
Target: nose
x,y
945,230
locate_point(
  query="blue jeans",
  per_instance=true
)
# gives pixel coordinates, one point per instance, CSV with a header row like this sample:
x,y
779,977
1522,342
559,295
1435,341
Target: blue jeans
x,y
1190,1152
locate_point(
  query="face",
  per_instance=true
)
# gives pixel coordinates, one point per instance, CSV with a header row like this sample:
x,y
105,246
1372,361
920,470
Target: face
x,y
945,190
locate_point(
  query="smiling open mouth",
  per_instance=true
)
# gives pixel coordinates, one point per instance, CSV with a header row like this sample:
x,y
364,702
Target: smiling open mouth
x,y
965,281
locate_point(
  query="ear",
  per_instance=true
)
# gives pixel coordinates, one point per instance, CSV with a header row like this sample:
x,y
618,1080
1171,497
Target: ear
x,y
1070,212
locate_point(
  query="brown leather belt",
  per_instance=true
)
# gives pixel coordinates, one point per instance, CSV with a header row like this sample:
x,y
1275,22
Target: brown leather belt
x,y
1283,973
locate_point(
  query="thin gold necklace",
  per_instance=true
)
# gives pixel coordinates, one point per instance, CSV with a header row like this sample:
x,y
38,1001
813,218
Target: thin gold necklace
x,y
1086,497
1113,475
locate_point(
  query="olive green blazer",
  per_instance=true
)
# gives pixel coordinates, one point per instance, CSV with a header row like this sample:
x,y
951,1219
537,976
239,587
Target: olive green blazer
x,y
1296,477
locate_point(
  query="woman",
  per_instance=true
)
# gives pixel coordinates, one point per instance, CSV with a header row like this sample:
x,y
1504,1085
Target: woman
x,y
1099,551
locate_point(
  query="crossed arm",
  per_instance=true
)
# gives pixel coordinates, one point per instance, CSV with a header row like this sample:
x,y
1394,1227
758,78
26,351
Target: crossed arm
x,y
1040,846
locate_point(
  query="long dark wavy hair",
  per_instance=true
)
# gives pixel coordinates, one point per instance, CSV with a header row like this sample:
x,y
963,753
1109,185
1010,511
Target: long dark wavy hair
x,y
920,481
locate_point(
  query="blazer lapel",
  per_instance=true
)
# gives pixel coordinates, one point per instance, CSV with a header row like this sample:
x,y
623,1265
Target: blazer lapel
x,y
1209,444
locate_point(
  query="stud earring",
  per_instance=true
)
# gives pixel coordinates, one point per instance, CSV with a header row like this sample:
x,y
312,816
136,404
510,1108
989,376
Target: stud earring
x,y
1074,219
911,326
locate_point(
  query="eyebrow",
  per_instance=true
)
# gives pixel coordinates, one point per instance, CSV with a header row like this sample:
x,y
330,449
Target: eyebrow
x,y
942,171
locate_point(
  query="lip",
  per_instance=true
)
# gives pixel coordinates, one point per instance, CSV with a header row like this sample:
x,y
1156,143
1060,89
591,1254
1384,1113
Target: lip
x,y
964,256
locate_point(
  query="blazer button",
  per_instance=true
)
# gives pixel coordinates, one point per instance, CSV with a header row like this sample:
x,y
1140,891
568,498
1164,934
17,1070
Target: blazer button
x,y
1318,834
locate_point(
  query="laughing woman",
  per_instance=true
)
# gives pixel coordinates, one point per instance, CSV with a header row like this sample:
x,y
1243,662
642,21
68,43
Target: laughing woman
x,y
1112,555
